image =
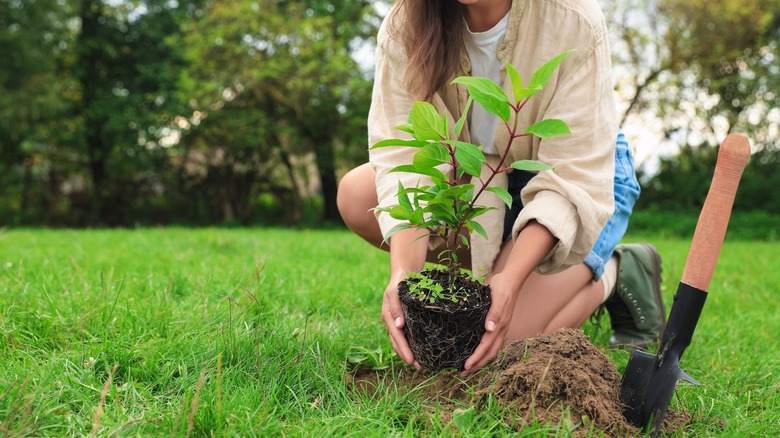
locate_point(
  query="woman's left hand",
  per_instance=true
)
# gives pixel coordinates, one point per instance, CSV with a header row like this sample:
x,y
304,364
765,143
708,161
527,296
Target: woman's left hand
x,y
503,293
535,241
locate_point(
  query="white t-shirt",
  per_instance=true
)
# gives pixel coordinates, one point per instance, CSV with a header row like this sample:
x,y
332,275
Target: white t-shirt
x,y
481,48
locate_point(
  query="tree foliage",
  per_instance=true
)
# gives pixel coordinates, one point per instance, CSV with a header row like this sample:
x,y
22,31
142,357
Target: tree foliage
x,y
704,66
111,115
198,111
34,42
127,63
702,69
288,65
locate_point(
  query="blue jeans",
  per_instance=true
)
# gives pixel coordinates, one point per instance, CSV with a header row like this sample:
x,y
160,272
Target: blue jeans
x,y
626,194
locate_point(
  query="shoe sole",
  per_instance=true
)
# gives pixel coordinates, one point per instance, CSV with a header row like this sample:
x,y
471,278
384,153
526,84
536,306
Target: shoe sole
x,y
657,287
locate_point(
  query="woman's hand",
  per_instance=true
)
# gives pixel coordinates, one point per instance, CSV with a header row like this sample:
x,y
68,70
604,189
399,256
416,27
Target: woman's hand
x,y
393,317
527,251
407,254
503,292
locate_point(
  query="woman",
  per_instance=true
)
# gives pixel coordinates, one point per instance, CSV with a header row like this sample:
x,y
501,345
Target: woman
x,y
554,265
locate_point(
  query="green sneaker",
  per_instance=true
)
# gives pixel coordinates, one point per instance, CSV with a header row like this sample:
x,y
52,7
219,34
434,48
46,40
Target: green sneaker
x,y
636,308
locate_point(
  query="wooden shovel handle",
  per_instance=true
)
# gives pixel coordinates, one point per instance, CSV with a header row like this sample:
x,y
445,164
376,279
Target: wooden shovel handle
x,y
714,218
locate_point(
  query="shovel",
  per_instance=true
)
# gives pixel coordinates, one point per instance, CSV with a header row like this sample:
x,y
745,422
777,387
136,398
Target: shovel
x,y
649,380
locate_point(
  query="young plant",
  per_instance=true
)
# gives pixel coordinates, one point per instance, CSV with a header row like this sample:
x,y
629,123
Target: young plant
x,y
449,204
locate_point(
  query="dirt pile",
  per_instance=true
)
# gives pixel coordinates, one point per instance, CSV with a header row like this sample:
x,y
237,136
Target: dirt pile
x,y
546,376
555,379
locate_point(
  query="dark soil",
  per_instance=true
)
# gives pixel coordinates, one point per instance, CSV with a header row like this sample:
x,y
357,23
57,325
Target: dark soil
x,y
548,379
443,333
472,294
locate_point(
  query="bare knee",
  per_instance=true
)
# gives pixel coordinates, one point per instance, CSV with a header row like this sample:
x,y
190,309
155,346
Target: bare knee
x,y
355,199
353,196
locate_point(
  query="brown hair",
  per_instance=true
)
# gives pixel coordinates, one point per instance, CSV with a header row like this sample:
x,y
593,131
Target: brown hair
x,y
431,32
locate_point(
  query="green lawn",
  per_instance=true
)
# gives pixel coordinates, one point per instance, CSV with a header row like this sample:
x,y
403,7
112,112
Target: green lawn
x,y
248,332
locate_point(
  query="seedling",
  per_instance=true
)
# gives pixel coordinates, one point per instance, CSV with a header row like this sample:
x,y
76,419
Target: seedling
x,y
445,311
449,204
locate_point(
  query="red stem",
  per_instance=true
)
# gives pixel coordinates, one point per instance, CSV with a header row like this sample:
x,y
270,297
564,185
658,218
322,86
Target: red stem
x,y
494,172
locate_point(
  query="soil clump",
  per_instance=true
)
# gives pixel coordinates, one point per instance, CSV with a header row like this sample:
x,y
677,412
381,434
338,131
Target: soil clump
x,y
552,378
556,379
444,328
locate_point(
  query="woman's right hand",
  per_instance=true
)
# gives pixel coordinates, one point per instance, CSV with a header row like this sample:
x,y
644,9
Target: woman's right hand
x,y
408,249
393,317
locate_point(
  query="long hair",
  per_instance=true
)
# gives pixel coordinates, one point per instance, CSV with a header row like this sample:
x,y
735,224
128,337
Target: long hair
x,y
431,32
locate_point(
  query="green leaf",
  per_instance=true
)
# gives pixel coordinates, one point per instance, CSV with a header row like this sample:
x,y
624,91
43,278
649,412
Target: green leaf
x,y
503,194
549,128
398,142
429,224
462,119
478,211
445,127
531,166
406,127
400,212
403,198
517,82
434,189
417,216
431,155
468,156
541,76
426,122
525,93
417,191
474,225
487,94
442,212
464,240
455,192
430,171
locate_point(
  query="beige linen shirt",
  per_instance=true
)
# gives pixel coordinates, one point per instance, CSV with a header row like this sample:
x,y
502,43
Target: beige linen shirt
x,y
573,201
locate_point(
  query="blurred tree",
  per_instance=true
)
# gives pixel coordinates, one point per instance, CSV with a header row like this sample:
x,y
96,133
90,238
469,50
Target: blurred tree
x,y
128,57
728,51
289,65
111,114
703,68
683,180
35,38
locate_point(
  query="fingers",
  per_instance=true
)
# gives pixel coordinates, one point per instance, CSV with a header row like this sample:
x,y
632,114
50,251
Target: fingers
x,y
501,308
392,312
492,319
486,351
496,324
393,317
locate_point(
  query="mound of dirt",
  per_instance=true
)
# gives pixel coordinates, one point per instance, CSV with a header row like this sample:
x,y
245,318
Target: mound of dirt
x,y
546,376
548,379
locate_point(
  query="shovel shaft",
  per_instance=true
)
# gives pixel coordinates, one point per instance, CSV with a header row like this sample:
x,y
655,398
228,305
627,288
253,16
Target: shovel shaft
x,y
649,380
714,218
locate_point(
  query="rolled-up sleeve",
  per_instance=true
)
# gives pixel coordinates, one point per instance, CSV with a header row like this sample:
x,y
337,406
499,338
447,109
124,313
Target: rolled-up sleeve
x,y
390,106
575,200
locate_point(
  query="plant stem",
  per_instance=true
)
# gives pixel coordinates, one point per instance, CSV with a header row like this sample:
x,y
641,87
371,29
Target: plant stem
x,y
497,170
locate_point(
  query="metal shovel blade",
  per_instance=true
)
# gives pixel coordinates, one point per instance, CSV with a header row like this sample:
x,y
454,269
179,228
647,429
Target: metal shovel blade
x,y
648,408
649,380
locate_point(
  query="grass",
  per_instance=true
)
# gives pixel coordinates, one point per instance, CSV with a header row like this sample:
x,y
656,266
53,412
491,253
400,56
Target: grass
x,y
250,332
